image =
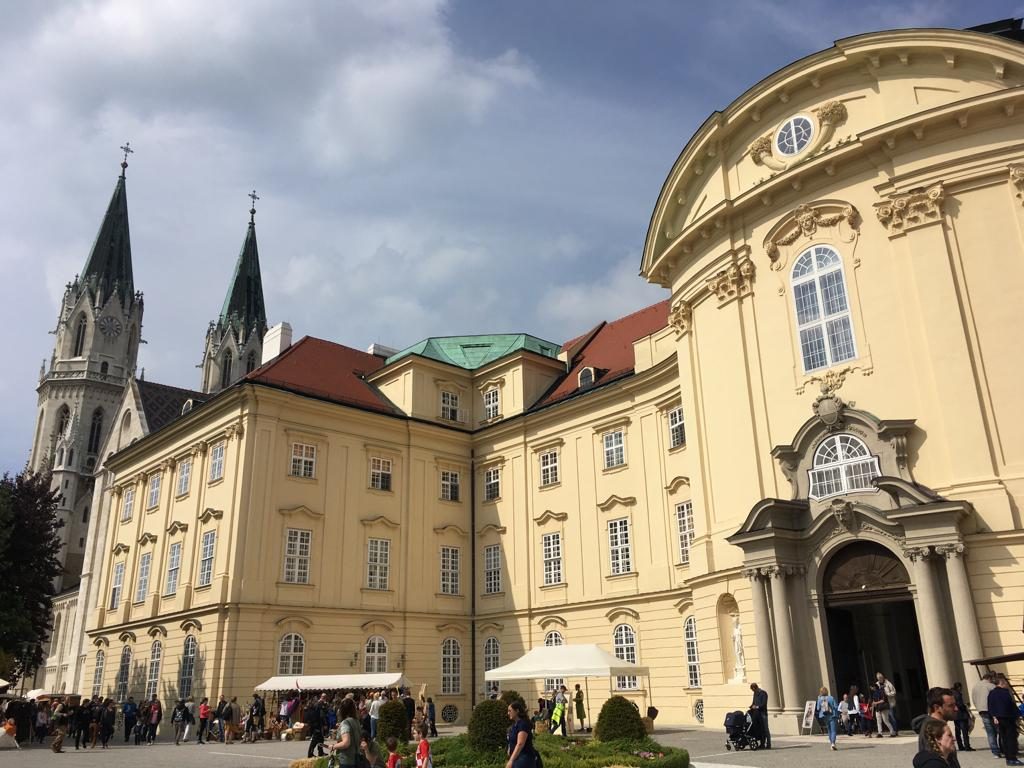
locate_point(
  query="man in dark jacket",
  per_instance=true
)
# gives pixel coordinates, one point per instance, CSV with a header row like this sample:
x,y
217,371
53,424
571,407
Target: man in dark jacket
x,y
316,719
130,710
1004,712
942,707
759,716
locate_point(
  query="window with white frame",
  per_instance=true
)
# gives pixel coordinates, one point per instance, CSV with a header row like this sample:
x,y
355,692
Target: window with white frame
x,y
450,570
491,404
614,449
492,660
217,462
97,674
451,667
692,656
676,428
116,584
551,545
823,320
124,668
153,496
297,548
378,563
156,654
492,484
173,568
380,473
206,559
553,638
128,502
842,464
184,476
186,671
142,585
449,485
492,569
586,377
291,655
624,643
620,554
684,525
450,406
375,655
303,460
794,135
549,468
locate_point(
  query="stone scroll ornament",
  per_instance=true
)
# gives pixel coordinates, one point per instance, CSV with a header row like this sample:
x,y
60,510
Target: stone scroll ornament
x,y
828,115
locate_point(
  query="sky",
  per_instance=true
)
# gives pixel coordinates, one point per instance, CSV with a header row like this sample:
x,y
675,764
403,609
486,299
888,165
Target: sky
x,y
423,167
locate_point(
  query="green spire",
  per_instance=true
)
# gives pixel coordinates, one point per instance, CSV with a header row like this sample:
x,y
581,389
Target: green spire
x,y
243,306
109,266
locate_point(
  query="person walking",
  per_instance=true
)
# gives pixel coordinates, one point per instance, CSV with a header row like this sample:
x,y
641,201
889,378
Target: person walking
x,y
347,745
1005,714
759,716
179,719
580,711
889,693
204,719
844,714
432,716
316,719
130,711
233,718
559,711
880,708
962,721
221,715
938,745
521,752
190,717
59,721
376,702
80,724
942,709
156,714
979,696
827,711
108,722
856,718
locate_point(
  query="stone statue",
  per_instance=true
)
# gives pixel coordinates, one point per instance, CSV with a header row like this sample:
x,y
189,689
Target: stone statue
x,y
740,670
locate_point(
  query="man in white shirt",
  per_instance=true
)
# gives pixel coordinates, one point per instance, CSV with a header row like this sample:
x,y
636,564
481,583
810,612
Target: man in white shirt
x,y
979,697
889,691
375,704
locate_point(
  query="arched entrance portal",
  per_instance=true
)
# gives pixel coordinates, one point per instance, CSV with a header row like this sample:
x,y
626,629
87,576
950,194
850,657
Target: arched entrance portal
x,y
872,624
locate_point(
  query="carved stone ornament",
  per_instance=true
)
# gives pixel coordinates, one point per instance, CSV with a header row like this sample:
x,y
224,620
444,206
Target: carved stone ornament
x,y
901,213
917,553
842,511
828,407
806,221
1017,179
950,551
828,116
831,113
760,147
681,317
734,281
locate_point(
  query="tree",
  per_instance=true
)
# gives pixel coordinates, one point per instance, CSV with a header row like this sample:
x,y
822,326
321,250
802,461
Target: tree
x,y
29,566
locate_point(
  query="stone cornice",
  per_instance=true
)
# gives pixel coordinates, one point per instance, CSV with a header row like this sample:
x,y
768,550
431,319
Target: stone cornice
x,y
901,213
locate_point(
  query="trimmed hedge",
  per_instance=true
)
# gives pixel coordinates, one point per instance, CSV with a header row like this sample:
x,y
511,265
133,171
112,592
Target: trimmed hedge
x,y
507,697
619,720
559,752
393,722
488,725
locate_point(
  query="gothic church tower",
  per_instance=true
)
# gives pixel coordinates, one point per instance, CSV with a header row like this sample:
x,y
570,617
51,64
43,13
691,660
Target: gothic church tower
x,y
98,330
234,343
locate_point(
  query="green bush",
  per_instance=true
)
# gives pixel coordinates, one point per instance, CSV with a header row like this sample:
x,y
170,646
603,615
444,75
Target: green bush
x,y
393,722
488,725
507,697
558,752
618,720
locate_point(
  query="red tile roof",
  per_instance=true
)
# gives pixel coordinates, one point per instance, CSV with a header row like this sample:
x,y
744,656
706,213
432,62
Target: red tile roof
x,y
325,370
609,351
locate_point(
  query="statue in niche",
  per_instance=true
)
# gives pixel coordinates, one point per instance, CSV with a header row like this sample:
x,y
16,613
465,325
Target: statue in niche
x,y
739,672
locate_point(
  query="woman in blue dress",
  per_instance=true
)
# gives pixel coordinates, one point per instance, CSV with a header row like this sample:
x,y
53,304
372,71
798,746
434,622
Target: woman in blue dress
x,y
520,738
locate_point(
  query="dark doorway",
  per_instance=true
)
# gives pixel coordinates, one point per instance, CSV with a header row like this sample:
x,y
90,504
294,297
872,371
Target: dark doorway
x,y
872,625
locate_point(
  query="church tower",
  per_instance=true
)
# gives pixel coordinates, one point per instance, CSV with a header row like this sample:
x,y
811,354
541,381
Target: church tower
x,y
98,330
234,343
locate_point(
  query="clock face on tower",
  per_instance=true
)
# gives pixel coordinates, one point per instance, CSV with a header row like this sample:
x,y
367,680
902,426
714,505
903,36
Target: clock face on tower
x,y
110,326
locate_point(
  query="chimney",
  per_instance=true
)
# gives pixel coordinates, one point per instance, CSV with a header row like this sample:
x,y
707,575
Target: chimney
x,y
277,340
379,350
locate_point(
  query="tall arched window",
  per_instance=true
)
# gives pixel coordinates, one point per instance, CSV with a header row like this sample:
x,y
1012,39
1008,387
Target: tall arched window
x,y
97,675
126,430
225,370
375,657
156,655
842,464
822,308
123,670
188,667
250,362
451,667
692,655
63,419
55,633
624,643
291,655
554,637
492,660
79,337
95,430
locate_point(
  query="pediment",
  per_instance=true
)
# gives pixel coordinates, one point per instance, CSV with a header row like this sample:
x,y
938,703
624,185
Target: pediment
x,y
379,520
491,528
622,612
616,501
177,527
120,549
451,528
548,515
451,627
685,602
294,619
490,626
101,642
127,637
157,630
209,514
302,509
147,538
376,626
552,620
676,483
189,624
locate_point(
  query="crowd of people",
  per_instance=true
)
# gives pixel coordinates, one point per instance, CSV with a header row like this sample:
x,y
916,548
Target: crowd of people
x,y
555,714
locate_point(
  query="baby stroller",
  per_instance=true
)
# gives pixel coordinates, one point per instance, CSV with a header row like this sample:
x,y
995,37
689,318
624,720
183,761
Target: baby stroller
x,y
741,732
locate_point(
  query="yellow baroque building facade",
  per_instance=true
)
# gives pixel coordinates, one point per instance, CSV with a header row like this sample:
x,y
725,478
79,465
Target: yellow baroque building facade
x,y
805,466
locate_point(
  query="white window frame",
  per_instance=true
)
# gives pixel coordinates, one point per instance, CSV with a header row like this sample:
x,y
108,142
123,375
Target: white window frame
x,y
492,660
451,667
291,659
378,563
450,406
492,484
620,551
492,569
156,655
492,404
303,463
614,443
822,321
790,126
450,564
217,462
449,485
206,555
97,674
553,638
375,655
380,473
173,568
684,527
128,504
187,668
549,468
153,494
142,586
124,669
116,585
692,653
624,644
184,476
676,428
298,552
846,474
551,553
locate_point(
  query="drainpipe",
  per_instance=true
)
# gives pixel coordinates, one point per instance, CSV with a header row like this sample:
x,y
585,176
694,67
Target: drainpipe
x,y
472,577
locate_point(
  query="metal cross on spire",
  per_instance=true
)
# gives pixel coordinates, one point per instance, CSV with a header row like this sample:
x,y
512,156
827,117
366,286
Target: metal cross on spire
x,y
252,211
127,149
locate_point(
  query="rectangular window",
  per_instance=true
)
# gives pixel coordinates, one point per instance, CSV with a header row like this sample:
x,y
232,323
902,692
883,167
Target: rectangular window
x,y
450,406
116,584
303,460
614,449
549,468
491,404
217,462
173,568
142,587
153,498
551,543
129,502
378,563
450,570
380,474
206,559
676,428
621,559
684,521
492,569
184,476
449,485
297,546
492,484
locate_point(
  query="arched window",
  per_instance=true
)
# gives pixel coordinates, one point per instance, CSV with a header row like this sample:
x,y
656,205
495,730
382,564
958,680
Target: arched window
x,y
225,370
63,419
451,667
250,362
55,634
376,655
291,655
126,429
188,667
97,675
842,464
104,368
822,309
156,654
95,430
123,670
624,643
79,337
492,660
692,656
553,637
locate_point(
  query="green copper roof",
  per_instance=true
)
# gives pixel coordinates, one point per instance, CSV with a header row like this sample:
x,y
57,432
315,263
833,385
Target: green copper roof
x,y
243,305
471,352
109,266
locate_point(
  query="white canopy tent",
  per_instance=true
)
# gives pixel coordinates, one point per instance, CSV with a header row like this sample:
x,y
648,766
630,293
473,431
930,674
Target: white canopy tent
x,y
282,683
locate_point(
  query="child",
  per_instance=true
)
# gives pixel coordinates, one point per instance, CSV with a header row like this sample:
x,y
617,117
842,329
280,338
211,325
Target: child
x,y
423,758
394,761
